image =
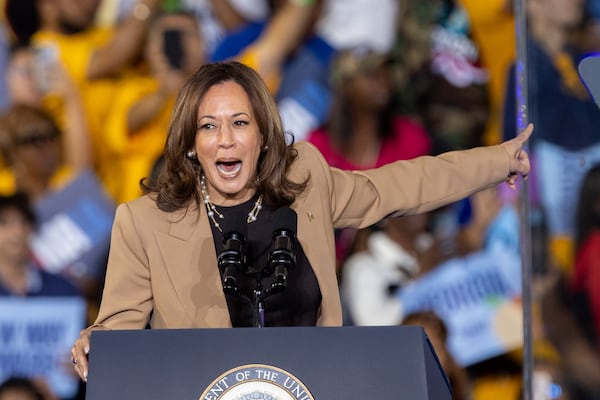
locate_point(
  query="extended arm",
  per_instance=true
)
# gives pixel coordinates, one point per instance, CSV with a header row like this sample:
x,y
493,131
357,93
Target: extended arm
x,y
126,43
362,198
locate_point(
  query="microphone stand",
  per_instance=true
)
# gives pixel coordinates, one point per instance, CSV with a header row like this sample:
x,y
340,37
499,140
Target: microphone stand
x,y
281,260
260,294
259,307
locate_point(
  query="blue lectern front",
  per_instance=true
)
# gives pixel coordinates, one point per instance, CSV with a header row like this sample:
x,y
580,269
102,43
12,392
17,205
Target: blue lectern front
x,y
312,363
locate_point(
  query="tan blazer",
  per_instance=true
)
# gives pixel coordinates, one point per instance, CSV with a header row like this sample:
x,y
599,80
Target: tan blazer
x,y
162,266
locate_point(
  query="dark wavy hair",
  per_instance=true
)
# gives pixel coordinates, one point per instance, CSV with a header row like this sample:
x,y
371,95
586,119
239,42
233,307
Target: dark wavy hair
x,y
22,385
20,202
23,18
177,183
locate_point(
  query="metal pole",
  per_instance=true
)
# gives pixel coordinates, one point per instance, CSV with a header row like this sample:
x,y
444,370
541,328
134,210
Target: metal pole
x,y
525,229
259,307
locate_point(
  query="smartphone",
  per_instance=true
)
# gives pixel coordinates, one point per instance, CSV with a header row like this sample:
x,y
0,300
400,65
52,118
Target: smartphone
x,y
45,57
173,48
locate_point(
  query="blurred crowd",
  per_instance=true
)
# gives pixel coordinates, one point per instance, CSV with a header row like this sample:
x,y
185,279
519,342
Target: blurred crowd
x,y
88,87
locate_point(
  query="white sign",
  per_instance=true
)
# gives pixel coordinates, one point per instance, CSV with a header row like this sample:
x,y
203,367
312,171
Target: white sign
x,y
36,335
479,299
74,229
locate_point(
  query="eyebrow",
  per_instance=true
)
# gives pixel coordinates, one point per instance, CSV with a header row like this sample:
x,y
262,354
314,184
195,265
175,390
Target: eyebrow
x,y
241,113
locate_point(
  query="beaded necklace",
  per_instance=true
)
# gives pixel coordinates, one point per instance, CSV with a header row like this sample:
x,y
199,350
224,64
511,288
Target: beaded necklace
x,y
213,212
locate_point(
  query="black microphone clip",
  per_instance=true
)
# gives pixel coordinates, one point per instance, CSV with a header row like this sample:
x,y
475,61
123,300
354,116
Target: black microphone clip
x,y
282,258
232,260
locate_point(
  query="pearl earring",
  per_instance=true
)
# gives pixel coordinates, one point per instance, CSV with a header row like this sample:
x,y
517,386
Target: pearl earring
x,y
191,154
265,148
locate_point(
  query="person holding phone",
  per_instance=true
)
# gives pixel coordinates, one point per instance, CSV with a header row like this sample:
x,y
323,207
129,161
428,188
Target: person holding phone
x,y
94,57
39,166
174,51
173,47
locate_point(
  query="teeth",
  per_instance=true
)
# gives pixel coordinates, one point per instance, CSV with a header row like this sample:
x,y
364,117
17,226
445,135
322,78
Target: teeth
x,y
229,172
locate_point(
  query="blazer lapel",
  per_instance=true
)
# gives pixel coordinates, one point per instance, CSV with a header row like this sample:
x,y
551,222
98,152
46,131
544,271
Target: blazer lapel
x,y
190,261
313,223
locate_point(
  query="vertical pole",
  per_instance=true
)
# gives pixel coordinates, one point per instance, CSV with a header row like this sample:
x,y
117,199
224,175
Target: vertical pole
x,y
522,67
259,307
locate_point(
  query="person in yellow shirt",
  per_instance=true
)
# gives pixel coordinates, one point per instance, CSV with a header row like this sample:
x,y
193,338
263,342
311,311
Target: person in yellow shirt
x,y
38,154
141,108
94,57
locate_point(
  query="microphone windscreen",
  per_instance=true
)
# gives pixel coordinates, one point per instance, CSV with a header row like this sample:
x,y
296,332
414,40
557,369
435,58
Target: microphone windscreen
x,y
285,218
236,221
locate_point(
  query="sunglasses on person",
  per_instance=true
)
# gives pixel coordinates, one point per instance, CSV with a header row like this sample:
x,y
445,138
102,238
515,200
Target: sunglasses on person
x,y
36,139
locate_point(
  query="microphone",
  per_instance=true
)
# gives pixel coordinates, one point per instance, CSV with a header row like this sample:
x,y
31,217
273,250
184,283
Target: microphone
x,y
232,260
282,259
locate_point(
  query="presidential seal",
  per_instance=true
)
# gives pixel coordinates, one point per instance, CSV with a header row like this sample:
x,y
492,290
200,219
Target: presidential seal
x,y
256,382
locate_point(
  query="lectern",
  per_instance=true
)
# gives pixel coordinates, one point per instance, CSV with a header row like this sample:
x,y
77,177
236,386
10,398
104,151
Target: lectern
x,y
300,363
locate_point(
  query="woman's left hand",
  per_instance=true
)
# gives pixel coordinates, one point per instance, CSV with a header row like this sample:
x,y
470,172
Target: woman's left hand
x,y
519,159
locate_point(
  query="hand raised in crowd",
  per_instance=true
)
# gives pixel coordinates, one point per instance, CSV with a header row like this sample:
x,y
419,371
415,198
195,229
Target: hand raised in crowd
x,y
171,79
81,349
61,83
519,162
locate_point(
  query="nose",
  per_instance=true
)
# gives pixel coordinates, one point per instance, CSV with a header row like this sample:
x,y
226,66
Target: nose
x,y
226,137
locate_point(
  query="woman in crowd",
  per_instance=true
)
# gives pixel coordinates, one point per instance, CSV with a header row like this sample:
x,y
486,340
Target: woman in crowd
x,y
362,130
19,276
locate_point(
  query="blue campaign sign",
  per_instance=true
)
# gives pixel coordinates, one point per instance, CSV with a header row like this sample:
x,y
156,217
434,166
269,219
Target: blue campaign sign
x,y
479,299
36,335
74,229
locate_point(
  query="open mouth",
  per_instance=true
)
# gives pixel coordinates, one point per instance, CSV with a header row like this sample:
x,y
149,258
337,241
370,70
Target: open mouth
x,y
229,168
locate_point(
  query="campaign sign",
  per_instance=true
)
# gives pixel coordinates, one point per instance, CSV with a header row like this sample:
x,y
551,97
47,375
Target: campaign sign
x,y
36,335
479,299
74,229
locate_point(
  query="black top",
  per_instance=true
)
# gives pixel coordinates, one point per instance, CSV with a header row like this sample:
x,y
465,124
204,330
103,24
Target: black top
x,y
297,304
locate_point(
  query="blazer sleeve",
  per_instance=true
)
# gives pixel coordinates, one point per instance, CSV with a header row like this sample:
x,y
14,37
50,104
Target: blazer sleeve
x,y
361,198
127,296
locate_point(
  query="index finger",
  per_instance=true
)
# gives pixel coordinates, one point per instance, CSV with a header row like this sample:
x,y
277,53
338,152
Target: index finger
x,y
524,135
